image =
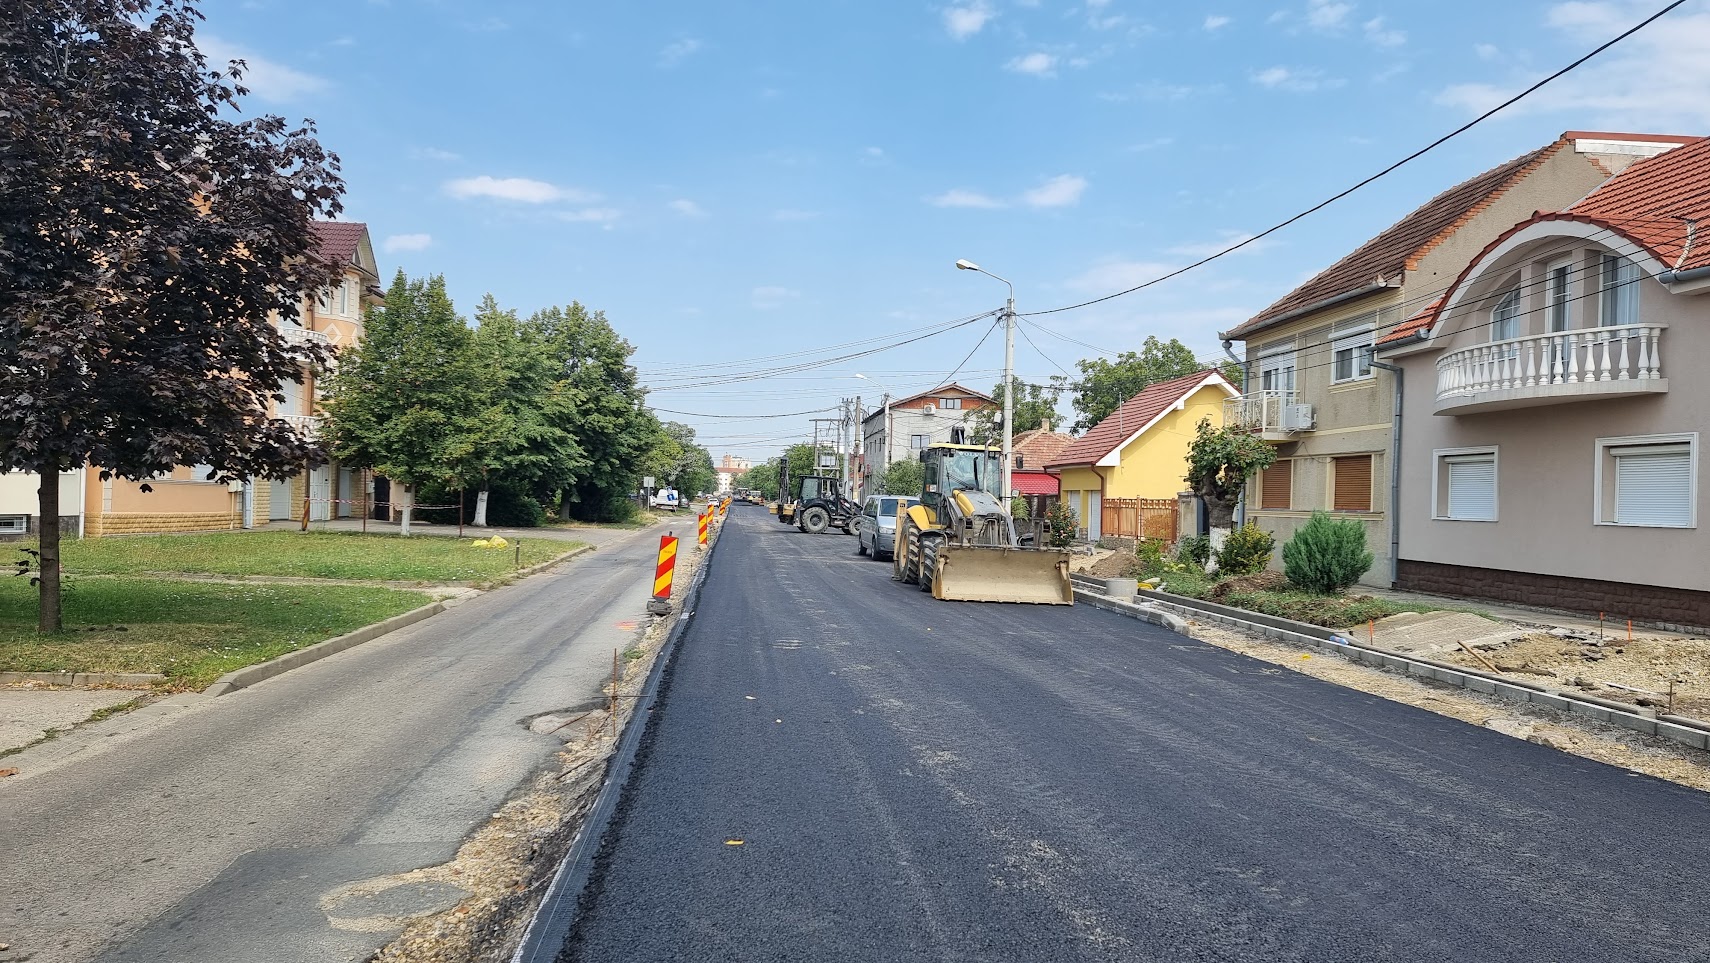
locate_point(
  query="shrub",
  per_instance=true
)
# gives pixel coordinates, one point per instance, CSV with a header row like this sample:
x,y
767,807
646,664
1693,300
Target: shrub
x,y
1246,550
1327,554
1194,551
1059,525
1150,552
1018,508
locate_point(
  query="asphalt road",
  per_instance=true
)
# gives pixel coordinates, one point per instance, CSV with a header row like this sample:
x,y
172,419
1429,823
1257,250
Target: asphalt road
x,y
222,834
920,780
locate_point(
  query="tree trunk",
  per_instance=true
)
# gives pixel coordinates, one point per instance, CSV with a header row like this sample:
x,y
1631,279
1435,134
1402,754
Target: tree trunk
x,y
409,505
1219,513
481,509
48,619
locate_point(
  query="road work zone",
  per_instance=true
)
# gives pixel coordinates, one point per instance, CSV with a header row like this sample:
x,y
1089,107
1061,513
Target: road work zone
x,y
663,572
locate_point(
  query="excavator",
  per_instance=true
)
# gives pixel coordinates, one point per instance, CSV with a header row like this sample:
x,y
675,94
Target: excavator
x,y
961,542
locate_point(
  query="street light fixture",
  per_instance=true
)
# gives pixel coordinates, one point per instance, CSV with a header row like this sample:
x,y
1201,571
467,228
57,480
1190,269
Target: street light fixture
x,y
963,264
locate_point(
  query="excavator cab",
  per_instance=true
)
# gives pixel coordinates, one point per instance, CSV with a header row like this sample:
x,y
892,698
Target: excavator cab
x,y
961,542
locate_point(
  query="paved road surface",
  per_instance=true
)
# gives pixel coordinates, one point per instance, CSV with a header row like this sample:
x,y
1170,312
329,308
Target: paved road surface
x,y
211,838
922,780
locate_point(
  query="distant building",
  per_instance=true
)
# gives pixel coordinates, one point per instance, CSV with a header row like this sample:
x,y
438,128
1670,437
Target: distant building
x,y
729,468
915,422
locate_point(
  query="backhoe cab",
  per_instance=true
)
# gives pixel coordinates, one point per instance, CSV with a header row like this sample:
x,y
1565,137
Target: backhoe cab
x,y
961,542
820,505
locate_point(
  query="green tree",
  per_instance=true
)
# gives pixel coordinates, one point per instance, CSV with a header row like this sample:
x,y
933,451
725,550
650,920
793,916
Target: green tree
x,y
146,235
604,413
903,478
1034,403
408,402
675,461
1220,461
1105,385
763,478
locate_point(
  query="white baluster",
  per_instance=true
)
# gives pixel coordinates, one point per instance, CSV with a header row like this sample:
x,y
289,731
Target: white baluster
x,y
1621,369
1603,365
1531,363
1573,359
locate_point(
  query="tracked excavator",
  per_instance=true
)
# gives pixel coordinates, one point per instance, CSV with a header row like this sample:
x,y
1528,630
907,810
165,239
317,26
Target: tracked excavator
x,y
961,543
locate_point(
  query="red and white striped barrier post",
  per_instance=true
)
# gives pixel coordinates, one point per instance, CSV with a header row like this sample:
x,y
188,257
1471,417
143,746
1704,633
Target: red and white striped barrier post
x,y
705,519
660,604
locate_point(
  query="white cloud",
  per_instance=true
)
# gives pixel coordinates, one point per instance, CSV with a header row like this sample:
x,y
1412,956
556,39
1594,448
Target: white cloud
x,y
674,52
519,189
1327,14
406,242
1295,81
769,296
966,19
1216,22
957,197
1381,36
1487,51
1060,191
591,215
688,208
1654,80
1035,64
265,79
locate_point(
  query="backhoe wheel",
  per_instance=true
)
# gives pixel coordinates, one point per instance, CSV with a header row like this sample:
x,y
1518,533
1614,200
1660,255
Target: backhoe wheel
x,y
900,552
928,563
815,520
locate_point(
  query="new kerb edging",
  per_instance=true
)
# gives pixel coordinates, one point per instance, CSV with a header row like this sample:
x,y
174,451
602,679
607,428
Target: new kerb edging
x,y
1691,732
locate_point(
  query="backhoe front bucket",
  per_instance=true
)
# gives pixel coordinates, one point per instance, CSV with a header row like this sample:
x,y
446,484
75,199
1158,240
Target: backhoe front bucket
x,y
979,573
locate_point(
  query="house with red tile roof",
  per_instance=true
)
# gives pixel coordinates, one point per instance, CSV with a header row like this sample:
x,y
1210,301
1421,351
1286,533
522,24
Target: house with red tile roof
x,y
1140,449
1551,431
1034,449
898,428
1311,385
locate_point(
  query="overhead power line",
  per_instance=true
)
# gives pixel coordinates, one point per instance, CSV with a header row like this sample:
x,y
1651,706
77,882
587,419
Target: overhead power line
x,y
1469,125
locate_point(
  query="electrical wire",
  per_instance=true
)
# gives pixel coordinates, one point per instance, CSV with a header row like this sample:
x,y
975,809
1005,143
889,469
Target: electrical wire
x,y
792,414
1469,125
947,378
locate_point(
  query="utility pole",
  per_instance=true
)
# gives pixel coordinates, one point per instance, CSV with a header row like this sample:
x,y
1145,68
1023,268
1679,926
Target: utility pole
x,y
858,433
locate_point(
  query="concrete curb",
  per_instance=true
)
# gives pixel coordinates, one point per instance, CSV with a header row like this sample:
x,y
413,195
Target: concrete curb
x,y
543,566
1144,613
80,679
555,916
1688,731
250,675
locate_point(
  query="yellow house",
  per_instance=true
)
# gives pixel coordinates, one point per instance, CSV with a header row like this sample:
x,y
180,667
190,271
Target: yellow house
x,y
1140,450
183,500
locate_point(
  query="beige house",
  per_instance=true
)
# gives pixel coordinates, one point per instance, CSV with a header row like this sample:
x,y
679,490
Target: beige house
x,y
1552,434
900,427
1311,385
183,500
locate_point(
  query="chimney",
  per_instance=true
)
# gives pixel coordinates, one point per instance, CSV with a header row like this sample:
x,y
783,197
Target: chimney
x,y
1045,425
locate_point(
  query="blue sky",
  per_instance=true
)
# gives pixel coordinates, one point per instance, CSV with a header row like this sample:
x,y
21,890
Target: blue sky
x,y
735,180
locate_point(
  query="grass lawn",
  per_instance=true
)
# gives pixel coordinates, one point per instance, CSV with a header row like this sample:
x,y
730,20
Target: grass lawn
x,y
193,632
341,555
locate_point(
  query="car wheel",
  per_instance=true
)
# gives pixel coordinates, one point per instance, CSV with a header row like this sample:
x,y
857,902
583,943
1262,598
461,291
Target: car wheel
x,y
860,546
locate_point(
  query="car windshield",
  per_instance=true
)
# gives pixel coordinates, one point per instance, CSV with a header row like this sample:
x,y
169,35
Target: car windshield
x,y
888,508
971,470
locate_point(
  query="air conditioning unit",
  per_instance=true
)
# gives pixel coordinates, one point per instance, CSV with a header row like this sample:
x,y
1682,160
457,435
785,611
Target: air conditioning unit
x,y
1297,418
929,409
234,486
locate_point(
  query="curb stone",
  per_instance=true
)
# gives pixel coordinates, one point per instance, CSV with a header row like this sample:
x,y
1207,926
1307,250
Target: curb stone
x,y
82,679
1688,731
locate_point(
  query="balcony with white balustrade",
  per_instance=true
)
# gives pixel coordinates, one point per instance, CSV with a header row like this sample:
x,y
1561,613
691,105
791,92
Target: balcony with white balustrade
x,y
1544,369
295,335
309,426
1271,414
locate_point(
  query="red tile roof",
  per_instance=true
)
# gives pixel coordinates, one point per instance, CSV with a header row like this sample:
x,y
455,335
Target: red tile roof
x,y
1038,448
339,239
1386,257
1035,483
1650,202
942,390
1133,415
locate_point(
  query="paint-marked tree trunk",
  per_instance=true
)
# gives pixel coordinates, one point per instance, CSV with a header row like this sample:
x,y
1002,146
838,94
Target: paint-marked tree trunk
x,y
48,620
409,504
481,509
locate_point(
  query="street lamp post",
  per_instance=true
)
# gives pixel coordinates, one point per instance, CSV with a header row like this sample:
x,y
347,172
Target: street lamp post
x,y
1008,378
885,462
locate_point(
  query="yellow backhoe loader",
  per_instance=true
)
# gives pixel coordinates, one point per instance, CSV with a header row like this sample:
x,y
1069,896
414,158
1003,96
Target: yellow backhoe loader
x,y
961,543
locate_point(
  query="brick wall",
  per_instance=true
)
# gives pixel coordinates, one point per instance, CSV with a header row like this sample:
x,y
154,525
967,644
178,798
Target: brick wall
x,y
1671,608
162,523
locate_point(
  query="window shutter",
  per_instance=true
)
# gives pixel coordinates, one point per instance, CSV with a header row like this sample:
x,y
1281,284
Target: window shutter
x,y
1653,486
1354,484
1275,489
1472,489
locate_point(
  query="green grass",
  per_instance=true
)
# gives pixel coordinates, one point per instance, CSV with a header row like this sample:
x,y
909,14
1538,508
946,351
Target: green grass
x,y
1329,611
193,632
337,555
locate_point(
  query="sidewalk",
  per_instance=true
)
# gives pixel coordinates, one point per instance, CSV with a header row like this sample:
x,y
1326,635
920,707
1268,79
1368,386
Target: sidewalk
x,y
1520,614
591,534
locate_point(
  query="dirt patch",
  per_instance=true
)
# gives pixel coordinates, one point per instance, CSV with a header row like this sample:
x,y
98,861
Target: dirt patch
x,y
1266,581
1604,743
507,865
1641,672
1114,565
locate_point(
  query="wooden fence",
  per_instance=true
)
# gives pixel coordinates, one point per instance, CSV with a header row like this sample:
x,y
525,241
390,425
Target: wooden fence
x,y
1139,518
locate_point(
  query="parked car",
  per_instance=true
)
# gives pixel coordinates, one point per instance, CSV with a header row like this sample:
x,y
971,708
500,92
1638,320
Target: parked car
x,y
876,526
666,499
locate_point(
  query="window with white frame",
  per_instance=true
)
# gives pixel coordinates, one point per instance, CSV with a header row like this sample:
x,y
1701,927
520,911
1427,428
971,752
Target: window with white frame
x,y
14,524
1463,486
1276,366
324,301
1618,294
918,442
1505,317
344,298
1557,290
950,404
1648,481
1351,349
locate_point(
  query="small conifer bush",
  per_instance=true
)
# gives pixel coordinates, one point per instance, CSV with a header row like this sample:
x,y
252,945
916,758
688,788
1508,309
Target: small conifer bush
x,y
1327,554
1245,550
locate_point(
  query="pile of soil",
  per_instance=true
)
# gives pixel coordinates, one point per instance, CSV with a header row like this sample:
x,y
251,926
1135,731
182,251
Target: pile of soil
x,y
1266,581
1114,565
1613,666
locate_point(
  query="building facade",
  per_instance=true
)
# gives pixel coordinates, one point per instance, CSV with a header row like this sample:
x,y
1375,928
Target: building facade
x,y
902,428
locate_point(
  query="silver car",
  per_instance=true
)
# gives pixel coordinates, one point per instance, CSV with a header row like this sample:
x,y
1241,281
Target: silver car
x,y
876,528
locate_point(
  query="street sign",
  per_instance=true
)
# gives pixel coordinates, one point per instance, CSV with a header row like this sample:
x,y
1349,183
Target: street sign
x,y
647,482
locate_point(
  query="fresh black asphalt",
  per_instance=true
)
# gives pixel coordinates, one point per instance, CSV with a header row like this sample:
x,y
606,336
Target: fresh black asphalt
x,y
844,769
